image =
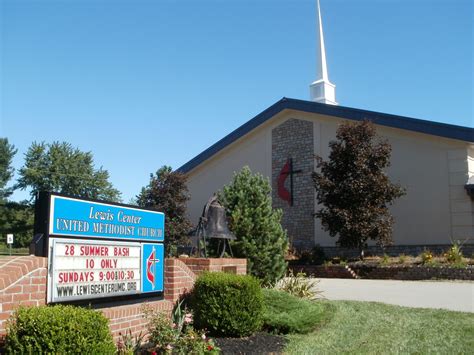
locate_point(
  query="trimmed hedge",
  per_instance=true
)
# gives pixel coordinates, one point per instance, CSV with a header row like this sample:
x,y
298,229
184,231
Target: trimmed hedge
x,y
228,304
58,329
286,314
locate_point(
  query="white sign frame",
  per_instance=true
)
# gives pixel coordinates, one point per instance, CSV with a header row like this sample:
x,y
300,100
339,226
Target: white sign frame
x,y
53,265
9,238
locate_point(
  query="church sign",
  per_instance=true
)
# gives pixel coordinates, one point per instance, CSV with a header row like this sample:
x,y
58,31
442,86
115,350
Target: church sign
x,y
99,249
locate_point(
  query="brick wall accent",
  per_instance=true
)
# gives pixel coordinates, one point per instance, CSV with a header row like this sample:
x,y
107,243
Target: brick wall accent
x,y
391,272
198,265
395,250
131,317
179,279
399,272
23,283
294,139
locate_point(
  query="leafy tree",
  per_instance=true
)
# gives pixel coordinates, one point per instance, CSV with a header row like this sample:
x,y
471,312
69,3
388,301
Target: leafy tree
x,y
354,189
7,152
256,225
15,217
59,167
167,192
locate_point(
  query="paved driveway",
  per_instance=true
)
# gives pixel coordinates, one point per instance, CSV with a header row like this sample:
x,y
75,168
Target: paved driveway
x,y
452,295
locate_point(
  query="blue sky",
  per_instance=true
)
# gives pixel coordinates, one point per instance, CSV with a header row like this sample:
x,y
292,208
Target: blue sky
x,y
147,83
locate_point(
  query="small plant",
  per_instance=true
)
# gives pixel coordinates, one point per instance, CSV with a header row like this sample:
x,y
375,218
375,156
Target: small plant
x,y
129,344
299,285
426,257
385,259
327,263
228,304
176,335
459,265
402,258
454,253
343,262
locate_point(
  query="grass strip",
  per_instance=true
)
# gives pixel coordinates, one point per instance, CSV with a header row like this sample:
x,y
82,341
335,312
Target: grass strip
x,y
376,328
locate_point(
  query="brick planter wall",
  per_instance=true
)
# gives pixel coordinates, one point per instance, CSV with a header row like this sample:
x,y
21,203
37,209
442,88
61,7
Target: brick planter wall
x,y
392,272
395,250
198,265
413,272
330,271
23,283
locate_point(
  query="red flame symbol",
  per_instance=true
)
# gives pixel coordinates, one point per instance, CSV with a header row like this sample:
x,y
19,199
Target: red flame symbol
x,y
150,263
282,191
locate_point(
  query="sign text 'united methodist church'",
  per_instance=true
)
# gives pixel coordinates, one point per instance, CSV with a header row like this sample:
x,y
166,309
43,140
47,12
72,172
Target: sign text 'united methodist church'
x,y
97,249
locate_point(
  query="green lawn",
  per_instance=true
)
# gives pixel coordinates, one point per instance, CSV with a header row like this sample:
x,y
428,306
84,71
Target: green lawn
x,y
375,328
5,251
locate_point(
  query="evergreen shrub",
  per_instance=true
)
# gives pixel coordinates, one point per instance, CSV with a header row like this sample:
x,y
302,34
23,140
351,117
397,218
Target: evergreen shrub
x,y
58,330
228,304
256,225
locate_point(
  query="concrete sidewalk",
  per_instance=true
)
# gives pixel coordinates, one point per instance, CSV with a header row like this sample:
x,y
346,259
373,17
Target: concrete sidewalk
x,y
452,295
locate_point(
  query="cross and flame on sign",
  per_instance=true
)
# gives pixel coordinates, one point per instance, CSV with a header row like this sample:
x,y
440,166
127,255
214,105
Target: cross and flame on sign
x,y
151,267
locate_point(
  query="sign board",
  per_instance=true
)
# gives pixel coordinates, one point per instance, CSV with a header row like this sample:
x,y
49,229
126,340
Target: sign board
x,y
82,218
98,250
9,238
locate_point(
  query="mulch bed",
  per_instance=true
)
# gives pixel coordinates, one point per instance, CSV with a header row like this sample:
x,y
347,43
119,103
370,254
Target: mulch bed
x,y
260,343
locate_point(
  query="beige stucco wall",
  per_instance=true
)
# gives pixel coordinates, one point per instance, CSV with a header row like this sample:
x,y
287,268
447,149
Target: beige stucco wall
x,y
432,169
253,150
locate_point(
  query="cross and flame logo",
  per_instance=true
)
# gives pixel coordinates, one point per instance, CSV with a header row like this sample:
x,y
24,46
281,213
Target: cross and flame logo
x,y
151,267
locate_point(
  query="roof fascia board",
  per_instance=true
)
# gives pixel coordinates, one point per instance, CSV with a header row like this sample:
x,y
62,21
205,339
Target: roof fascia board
x,y
406,123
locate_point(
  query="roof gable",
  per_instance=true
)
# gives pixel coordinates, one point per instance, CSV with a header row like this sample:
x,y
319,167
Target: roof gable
x,y
383,119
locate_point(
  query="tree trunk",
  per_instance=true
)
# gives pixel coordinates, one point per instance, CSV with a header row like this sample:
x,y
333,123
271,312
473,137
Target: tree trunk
x,y
361,253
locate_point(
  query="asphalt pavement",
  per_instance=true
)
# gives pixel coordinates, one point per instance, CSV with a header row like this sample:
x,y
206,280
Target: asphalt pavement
x,y
451,295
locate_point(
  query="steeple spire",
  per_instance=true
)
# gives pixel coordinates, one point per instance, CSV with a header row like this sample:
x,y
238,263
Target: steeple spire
x,y
322,90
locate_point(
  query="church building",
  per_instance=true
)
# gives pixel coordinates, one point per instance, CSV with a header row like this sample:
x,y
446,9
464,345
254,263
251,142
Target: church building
x,y
433,161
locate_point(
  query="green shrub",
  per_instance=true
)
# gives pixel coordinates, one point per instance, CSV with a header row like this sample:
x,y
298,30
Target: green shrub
x,y
256,225
60,330
316,256
227,304
285,313
129,344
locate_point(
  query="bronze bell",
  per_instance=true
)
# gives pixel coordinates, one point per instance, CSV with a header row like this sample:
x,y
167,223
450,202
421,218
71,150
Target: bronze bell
x,y
213,224
216,226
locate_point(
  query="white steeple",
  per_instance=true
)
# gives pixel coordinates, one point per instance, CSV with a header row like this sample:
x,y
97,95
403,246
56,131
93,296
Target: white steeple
x,y
322,90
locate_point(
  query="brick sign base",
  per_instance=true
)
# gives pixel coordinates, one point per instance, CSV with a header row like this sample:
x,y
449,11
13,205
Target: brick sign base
x,y
23,283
